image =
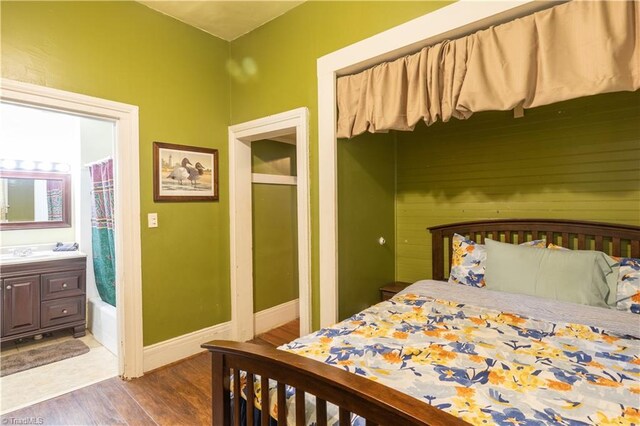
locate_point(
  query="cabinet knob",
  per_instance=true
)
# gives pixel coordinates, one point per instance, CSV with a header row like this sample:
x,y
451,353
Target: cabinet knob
x,y
8,287
64,311
64,285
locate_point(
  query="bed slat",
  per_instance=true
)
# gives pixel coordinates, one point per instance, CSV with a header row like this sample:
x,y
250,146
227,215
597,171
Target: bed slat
x,y
437,260
321,412
344,416
635,249
300,408
250,398
582,242
483,235
282,404
565,240
616,246
599,242
264,391
236,397
220,380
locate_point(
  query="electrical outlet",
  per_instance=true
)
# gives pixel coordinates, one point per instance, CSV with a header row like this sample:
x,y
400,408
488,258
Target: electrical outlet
x,y
152,218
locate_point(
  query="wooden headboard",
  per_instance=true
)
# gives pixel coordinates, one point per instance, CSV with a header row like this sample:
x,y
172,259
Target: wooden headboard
x,y
613,239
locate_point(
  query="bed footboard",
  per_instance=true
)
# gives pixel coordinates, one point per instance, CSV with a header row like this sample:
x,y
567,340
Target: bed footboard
x,y
376,403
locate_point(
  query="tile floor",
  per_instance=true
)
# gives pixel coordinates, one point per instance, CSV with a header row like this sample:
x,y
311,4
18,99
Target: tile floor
x,y
38,384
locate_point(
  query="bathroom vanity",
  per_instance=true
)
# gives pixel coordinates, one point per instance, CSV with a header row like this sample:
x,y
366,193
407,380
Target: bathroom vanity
x,y
43,292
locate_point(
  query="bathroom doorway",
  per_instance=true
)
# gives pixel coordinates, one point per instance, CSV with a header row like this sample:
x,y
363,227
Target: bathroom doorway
x,y
70,339
105,138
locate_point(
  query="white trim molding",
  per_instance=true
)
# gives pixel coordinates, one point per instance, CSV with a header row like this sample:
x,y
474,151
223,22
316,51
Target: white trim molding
x,y
273,179
127,204
456,20
172,350
274,317
186,345
240,211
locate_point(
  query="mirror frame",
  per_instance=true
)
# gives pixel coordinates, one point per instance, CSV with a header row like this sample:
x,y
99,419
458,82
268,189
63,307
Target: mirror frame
x,y
66,199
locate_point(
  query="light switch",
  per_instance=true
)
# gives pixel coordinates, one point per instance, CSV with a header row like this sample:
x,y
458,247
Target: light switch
x,y
152,218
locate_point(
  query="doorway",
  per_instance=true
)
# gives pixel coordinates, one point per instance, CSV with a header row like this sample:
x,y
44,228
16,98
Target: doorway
x,y
55,191
289,128
126,180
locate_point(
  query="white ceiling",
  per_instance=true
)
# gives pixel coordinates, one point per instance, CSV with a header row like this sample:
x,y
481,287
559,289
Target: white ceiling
x,y
227,20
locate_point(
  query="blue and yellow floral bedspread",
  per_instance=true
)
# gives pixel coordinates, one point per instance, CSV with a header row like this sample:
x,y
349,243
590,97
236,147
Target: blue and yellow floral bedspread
x,y
485,366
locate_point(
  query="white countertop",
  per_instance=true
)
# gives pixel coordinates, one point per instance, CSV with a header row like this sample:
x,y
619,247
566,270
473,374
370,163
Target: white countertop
x,y
39,253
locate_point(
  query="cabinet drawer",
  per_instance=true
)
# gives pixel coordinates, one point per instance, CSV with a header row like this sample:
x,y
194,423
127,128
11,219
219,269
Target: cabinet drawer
x,y
61,311
62,284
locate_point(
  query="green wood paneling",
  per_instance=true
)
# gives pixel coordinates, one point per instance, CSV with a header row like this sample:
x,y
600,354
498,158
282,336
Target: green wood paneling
x,y
578,159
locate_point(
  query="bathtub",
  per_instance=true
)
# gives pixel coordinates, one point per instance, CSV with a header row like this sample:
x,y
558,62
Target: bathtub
x,y
102,323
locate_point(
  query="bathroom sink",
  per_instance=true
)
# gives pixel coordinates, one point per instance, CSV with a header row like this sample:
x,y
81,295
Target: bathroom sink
x,y
38,256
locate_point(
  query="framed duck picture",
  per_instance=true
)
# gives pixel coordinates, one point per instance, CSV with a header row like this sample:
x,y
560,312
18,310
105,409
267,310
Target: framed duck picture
x,y
184,173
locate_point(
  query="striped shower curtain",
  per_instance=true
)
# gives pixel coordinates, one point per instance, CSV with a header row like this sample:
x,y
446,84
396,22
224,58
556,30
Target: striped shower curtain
x,y
102,230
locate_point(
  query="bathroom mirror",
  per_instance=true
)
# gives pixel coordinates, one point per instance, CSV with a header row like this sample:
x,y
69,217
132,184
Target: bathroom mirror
x,y
34,200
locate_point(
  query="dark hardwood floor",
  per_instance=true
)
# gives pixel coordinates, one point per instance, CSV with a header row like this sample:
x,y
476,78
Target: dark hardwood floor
x,y
179,394
279,336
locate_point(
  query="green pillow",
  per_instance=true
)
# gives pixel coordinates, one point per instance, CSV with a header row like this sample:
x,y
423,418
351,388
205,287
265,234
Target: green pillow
x,y
578,276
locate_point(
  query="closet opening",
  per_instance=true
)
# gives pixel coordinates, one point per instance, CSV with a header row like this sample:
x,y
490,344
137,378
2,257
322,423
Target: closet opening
x,y
269,209
274,226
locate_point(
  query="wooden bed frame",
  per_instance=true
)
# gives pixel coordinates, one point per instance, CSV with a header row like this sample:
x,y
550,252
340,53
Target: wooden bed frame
x,y
377,403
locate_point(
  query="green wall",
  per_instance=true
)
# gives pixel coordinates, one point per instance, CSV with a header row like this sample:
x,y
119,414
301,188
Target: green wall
x,y
275,227
366,194
578,159
176,74
274,70
180,78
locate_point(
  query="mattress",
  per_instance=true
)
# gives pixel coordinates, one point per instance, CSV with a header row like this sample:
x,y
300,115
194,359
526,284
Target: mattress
x,y
488,358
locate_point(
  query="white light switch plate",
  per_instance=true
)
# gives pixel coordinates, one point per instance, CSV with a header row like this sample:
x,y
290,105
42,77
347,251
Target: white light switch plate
x,y
152,219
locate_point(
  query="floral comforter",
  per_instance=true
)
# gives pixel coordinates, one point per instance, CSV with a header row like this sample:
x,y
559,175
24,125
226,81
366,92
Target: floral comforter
x,y
484,366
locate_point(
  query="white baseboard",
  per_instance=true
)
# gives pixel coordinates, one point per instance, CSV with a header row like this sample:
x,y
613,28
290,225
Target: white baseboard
x,y
172,350
276,316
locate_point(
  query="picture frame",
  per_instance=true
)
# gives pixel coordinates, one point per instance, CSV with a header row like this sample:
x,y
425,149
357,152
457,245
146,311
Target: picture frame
x,y
184,173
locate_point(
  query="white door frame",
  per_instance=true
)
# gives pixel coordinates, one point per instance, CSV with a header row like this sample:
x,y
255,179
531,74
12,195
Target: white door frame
x,y
240,212
455,20
127,204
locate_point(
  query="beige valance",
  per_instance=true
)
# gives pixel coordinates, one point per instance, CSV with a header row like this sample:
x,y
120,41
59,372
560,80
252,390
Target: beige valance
x,y
572,50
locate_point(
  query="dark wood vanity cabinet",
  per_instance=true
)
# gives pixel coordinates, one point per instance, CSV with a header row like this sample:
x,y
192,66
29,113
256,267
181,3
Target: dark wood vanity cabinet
x,y
20,304
39,297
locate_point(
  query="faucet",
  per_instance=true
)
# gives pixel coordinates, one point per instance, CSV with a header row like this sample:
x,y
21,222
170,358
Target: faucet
x,y
23,252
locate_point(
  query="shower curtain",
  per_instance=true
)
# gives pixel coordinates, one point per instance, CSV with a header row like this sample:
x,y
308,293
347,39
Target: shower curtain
x,y
54,200
102,229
